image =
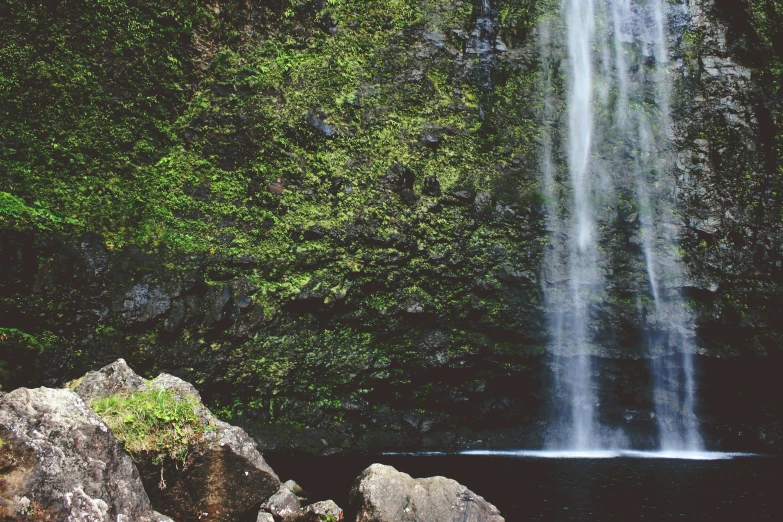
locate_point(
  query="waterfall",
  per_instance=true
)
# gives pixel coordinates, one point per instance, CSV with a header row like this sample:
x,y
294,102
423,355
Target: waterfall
x,y
574,277
614,59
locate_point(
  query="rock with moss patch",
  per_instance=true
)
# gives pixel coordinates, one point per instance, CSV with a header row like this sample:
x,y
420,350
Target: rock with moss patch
x,y
383,494
60,461
216,474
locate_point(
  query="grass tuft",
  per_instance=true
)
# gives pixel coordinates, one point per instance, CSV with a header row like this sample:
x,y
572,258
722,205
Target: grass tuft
x,y
153,423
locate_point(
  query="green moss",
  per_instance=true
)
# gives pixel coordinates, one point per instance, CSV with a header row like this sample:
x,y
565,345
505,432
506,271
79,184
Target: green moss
x,y
153,424
178,162
72,385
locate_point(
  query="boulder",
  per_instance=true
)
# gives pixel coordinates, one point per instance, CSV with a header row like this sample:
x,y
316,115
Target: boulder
x,y
282,504
383,494
296,489
164,381
117,377
59,461
223,477
325,511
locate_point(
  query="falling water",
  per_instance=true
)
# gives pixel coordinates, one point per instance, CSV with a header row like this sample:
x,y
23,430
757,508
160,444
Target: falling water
x,y
574,277
617,144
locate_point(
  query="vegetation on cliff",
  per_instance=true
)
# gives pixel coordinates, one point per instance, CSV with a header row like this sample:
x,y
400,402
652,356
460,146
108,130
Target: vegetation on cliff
x,y
283,200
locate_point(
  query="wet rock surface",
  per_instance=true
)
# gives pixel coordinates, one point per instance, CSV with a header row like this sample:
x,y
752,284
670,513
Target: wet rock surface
x,y
61,462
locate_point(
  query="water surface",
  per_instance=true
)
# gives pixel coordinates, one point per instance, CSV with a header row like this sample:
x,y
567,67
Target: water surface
x,y
534,487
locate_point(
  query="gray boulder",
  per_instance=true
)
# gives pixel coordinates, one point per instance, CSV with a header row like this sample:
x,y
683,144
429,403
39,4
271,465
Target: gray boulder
x,y
223,480
383,494
164,381
117,377
296,489
282,504
59,461
326,511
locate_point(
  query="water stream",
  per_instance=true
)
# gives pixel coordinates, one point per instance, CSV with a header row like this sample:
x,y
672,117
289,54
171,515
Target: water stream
x,y
615,155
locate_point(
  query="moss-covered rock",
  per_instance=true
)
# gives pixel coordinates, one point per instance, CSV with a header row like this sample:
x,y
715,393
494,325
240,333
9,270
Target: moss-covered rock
x,y
190,462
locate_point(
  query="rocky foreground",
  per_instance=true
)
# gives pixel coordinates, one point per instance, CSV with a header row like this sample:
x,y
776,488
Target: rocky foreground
x,y
62,461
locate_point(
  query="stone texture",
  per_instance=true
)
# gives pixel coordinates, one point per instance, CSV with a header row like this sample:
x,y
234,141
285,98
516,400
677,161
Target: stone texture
x,y
226,478
116,377
165,381
295,488
383,494
282,504
431,186
325,511
315,120
144,302
61,462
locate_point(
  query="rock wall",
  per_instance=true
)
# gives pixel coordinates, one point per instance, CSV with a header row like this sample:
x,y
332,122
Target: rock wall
x,y
335,228
729,176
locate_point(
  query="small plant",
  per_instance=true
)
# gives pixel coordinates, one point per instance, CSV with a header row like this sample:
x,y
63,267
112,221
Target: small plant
x,y
156,423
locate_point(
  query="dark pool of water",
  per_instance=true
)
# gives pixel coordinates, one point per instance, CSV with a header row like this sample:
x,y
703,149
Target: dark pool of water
x,y
595,490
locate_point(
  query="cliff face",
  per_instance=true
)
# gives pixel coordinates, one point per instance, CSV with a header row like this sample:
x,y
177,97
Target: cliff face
x,y
728,172
328,216
728,128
